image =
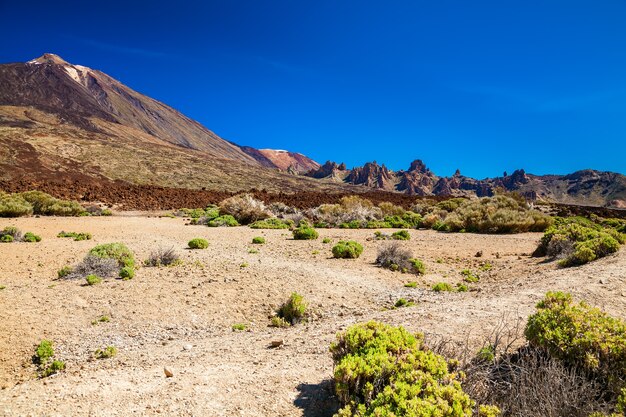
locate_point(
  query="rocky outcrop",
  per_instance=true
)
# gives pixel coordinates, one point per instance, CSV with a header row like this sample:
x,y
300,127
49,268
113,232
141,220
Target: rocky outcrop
x,y
372,175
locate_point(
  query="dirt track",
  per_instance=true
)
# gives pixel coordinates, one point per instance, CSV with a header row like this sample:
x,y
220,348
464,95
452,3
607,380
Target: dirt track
x,y
181,317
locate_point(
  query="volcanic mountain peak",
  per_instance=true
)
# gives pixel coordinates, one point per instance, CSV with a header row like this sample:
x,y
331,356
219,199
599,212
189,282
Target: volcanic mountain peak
x,y
49,58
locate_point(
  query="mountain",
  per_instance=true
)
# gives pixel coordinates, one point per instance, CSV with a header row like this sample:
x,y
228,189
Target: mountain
x,y
78,127
59,120
587,187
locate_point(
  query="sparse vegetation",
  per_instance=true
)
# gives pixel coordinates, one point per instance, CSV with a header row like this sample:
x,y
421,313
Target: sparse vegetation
x,y
258,240
64,272
76,236
411,284
6,238
198,243
386,371
107,352
347,249
163,257
469,276
272,223
46,205
101,319
326,240
401,235
239,327
44,359
442,286
499,214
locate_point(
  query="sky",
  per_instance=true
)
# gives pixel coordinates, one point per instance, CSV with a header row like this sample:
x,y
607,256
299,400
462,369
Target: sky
x,y
482,86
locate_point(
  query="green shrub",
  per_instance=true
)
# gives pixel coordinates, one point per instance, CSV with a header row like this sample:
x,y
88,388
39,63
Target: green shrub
x,y
581,336
401,235
386,371
279,322
305,233
77,236
417,266
403,302
327,240
6,238
13,205
499,214
120,253
44,352
239,327
46,205
347,249
198,243
272,223
258,240
93,279
12,231
107,352
442,286
101,319
65,271
462,287
127,272
31,237
578,240
469,276
54,367
411,284
106,212
223,221
294,309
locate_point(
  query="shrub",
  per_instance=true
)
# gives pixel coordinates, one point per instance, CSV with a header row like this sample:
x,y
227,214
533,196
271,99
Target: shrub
x,y
411,284
469,276
390,209
198,243
347,249
305,232
326,240
127,272
294,309
223,221
258,240
31,237
46,205
44,354
107,352
577,241
581,336
117,251
279,322
77,236
6,238
442,286
12,205
401,235
462,287
245,208
386,371
163,257
499,214
272,224
93,265
12,231
93,279
64,272
403,302
392,256
352,212
239,327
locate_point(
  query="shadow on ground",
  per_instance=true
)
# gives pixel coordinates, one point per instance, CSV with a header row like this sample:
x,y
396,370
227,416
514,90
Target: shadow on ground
x,y
317,400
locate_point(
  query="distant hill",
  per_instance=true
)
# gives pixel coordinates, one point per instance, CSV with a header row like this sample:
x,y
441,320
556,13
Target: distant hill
x,y
587,187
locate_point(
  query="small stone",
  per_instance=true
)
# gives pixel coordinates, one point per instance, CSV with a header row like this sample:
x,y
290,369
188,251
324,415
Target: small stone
x,y
168,372
604,281
187,347
276,343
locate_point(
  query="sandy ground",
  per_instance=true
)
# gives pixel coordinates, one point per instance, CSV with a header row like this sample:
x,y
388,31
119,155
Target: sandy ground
x,y
181,317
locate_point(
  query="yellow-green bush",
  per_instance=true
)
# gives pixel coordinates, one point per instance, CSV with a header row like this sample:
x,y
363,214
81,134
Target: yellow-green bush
x,y
581,336
12,205
46,205
382,370
293,310
347,249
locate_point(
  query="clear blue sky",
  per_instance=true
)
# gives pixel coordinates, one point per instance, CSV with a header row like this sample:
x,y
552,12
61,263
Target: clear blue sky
x,y
484,86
